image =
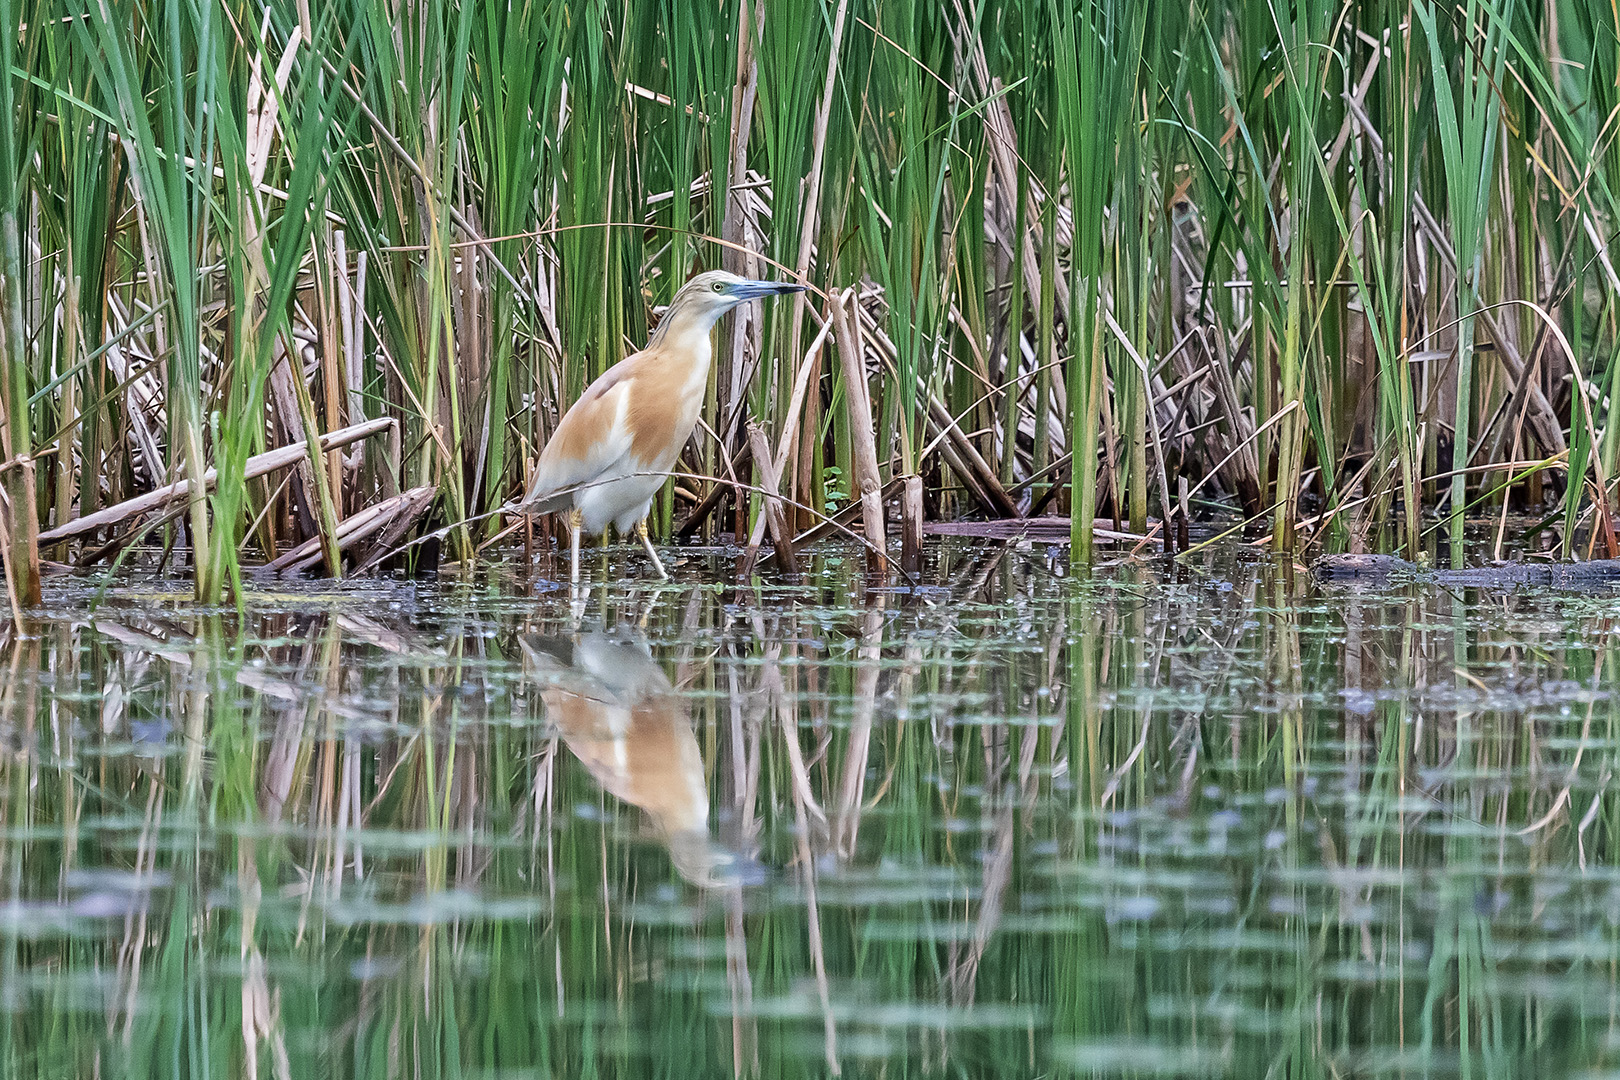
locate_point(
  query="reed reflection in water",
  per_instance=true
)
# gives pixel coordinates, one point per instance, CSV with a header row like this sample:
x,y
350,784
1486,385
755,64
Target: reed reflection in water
x,y
1186,821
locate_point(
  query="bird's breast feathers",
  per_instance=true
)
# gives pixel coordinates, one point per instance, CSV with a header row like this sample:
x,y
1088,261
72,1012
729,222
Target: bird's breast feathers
x,y
641,412
664,397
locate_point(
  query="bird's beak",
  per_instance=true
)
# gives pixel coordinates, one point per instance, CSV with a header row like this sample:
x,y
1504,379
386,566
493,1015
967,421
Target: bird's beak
x,y
753,290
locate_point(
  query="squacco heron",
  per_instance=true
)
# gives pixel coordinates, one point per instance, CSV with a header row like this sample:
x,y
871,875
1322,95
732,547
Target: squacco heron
x,y
616,445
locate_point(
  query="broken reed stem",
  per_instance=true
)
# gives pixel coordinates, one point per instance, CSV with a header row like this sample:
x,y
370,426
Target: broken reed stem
x,y
774,515
389,518
772,465
21,516
868,482
911,525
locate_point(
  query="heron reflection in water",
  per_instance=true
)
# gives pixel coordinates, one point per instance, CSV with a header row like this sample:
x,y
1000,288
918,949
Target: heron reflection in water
x,y
617,712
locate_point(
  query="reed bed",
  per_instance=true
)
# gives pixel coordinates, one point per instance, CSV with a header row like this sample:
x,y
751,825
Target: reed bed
x,y
1340,270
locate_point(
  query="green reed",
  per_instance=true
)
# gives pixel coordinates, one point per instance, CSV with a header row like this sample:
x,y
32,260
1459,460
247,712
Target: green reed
x,y
1094,254
1466,118
21,519
158,75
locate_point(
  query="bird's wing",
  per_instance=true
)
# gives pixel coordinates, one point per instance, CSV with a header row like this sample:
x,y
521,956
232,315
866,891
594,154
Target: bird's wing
x,y
592,436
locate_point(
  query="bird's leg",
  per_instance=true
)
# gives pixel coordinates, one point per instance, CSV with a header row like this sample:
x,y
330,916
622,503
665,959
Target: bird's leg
x,y
576,525
646,542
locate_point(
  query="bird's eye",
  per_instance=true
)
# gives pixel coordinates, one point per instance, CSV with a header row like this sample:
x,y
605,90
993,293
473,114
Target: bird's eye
x,y
719,286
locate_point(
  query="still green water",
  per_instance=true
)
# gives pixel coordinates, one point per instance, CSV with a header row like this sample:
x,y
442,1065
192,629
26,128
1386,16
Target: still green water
x,y
1167,821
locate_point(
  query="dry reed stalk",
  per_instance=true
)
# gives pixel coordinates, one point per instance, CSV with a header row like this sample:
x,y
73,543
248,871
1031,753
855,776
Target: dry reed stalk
x,y
258,465
737,255
810,220
390,517
771,465
868,482
911,525
21,517
718,492
330,280
969,463
774,517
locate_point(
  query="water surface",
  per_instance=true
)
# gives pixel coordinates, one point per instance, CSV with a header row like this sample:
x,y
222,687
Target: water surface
x,y
1167,821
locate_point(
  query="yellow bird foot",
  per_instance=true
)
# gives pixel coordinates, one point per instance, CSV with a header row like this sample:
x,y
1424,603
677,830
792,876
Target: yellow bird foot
x,y
646,542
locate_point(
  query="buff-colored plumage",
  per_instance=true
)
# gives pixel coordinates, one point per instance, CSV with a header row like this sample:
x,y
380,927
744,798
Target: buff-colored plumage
x,y
615,447
616,710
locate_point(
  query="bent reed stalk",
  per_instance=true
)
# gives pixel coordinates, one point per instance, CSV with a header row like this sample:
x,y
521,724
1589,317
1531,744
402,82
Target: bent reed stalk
x,y
1090,257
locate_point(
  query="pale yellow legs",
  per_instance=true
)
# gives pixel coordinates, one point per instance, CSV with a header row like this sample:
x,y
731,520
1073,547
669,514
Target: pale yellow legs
x,y
646,542
576,525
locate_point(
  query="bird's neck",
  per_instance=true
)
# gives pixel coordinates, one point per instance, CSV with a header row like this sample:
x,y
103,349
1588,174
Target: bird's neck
x,y
685,330
685,337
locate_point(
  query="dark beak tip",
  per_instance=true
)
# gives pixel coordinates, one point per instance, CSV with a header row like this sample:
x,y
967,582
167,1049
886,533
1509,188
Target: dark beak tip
x,y
754,290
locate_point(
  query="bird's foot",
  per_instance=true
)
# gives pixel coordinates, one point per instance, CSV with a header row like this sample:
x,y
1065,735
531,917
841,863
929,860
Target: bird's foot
x,y
646,542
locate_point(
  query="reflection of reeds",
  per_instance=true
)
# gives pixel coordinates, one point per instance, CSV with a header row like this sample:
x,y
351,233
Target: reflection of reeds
x,y
1136,815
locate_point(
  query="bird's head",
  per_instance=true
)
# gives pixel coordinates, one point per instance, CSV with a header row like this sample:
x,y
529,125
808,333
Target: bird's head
x,y
713,293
